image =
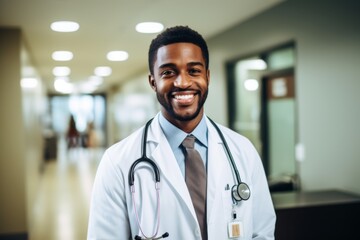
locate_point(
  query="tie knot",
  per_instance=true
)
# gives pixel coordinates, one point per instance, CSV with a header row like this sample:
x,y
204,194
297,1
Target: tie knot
x,y
189,142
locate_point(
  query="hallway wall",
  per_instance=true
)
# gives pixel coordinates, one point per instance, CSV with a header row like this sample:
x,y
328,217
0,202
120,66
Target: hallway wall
x,y
12,145
21,139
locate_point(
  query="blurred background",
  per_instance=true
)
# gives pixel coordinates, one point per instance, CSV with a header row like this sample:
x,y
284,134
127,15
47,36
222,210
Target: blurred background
x,y
285,74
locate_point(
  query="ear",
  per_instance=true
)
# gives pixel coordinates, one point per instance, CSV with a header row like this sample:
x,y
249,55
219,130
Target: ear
x,y
152,82
208,76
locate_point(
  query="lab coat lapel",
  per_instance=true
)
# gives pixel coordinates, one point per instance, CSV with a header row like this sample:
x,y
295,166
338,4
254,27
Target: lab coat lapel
x,y
168,166
217,161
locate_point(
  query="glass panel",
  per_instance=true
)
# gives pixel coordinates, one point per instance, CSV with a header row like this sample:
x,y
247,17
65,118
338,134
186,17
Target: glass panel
x,y
60,114
282,136
88,112
280,59
247,117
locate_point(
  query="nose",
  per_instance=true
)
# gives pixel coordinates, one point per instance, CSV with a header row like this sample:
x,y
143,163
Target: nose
x,y
182,81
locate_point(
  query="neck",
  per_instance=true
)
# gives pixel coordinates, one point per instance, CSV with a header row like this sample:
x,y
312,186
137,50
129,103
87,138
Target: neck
x,y
185,125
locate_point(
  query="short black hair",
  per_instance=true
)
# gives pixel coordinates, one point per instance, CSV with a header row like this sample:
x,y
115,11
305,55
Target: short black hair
x,y
177,34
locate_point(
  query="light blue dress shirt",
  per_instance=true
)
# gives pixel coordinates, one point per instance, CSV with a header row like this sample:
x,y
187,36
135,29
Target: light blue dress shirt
x,y
175,136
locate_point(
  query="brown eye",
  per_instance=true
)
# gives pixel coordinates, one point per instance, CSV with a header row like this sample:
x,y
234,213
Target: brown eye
x,y
194,71
167,73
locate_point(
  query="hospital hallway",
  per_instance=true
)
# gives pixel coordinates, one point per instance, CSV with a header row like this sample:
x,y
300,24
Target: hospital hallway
x,y
283,74
62,203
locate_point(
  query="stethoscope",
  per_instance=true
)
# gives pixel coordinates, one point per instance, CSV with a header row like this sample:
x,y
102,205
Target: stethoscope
x,y
240,191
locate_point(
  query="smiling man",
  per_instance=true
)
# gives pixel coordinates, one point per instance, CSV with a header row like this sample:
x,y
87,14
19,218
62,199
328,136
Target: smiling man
x,y
179,175
180,78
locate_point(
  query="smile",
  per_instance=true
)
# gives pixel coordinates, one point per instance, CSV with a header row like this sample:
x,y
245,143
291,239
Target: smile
x,y
184,97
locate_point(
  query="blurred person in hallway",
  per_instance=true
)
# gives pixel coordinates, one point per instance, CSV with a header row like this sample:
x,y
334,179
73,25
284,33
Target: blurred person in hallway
x,y
92,140
130,202
72,135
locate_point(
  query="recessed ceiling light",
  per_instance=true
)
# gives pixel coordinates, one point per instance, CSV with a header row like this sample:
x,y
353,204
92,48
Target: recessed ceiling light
x,y
149,27
102,71
62,55
117,56
63,86
95,80
61,71
64,26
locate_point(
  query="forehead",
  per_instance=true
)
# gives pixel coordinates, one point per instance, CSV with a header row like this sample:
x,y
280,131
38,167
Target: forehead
x,y
179,52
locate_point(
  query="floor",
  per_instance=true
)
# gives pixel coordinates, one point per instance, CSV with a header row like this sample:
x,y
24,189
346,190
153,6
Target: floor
x,y
62,204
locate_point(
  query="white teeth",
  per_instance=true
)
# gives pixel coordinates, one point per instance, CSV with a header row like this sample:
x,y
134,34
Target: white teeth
x,y
183,96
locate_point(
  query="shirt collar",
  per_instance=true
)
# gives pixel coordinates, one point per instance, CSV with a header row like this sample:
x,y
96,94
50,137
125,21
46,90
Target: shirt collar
x,y
175,135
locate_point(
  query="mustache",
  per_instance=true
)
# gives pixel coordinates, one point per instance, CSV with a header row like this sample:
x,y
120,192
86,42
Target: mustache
x,y
177,90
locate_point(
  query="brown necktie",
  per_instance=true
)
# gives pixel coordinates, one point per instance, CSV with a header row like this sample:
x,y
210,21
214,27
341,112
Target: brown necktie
x,y
195,178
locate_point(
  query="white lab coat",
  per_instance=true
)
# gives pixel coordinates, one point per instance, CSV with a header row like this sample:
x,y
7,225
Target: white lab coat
x,y
112,214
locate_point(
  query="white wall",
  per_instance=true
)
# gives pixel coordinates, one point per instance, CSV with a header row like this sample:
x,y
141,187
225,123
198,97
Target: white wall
x,y
327,36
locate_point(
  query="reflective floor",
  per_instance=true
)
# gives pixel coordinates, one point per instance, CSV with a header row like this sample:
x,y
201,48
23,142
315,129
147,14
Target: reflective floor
x,y
62,204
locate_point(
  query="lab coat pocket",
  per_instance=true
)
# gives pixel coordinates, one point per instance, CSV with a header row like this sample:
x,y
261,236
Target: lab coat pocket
x,y
227,204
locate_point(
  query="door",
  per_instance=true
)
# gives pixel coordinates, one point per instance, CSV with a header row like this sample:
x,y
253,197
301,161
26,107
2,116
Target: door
x,y
278,124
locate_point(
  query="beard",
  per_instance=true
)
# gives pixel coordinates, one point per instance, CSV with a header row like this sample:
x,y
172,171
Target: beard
x,y
166,104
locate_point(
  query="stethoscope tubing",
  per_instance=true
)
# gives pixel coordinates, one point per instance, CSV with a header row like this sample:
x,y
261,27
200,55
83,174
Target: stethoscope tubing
x,y
157,213
228,152
131,178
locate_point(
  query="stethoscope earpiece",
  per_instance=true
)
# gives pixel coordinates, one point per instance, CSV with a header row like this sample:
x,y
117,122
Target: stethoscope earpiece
x,y
165,235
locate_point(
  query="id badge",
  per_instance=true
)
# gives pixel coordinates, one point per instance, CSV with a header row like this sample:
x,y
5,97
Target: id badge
x,y
235,227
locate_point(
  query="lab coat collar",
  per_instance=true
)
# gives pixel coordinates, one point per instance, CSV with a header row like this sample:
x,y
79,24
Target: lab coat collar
x,y
217,162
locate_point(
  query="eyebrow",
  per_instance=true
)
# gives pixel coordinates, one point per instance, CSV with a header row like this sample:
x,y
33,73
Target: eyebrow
x,y
172,65
195,64
166,65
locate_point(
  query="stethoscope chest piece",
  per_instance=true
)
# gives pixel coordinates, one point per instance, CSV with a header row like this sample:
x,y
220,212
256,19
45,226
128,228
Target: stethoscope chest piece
x,y
240,191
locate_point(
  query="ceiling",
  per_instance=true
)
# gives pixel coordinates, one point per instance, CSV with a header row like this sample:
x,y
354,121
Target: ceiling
x,y
107,25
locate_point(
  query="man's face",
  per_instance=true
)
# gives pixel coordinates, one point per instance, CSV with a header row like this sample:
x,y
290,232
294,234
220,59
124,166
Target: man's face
x,y
180,81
